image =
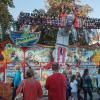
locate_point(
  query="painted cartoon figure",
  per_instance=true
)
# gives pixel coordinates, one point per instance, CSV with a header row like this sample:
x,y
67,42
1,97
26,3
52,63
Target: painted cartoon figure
x,y
63,37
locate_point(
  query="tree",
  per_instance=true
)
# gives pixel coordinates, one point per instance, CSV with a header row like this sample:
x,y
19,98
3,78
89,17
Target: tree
x,y
56,5
5,16
55,8
8,3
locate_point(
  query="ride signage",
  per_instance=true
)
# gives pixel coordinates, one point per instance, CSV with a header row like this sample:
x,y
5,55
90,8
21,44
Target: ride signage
x,y
91,23
25,40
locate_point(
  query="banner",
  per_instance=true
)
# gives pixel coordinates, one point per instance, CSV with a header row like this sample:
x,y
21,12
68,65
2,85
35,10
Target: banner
x,y
25,40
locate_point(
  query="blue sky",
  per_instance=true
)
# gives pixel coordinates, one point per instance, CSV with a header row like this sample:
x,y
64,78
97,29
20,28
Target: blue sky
x,y
29,5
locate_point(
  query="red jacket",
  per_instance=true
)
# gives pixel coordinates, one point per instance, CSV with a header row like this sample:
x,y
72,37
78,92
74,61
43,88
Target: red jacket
x,y
32,90
56,86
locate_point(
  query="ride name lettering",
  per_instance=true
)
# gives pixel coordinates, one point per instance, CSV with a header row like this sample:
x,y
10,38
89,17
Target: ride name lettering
x,y
26,39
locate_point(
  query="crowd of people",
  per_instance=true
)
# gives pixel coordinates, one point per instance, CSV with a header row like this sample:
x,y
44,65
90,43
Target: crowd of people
x,y
60,86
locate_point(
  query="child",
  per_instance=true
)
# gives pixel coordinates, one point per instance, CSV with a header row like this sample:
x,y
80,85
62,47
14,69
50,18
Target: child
x,y
74,87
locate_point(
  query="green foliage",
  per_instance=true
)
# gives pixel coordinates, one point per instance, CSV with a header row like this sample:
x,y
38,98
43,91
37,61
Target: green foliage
x,y
8,3
5,16
54,11
49,38
48,35
55,6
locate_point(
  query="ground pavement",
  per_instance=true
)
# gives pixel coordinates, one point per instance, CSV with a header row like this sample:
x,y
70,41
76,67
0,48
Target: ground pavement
x,y
95,97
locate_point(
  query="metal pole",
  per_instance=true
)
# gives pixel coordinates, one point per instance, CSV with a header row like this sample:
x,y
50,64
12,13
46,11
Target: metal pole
x,y
24,64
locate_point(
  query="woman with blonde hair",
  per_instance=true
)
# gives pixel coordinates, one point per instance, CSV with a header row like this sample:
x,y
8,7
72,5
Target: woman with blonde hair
x,y
16,80
32,89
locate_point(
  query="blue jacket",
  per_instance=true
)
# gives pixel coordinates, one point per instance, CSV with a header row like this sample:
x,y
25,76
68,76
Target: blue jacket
x,y
17,78
87,82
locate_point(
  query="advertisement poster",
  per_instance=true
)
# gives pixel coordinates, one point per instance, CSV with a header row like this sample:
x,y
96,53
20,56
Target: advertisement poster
x,y
38,56
12,54
10,72
79,58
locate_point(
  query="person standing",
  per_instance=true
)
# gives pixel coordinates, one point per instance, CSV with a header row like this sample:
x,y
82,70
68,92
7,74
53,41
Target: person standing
x,y
79,80
16,80
74,88
68,90
87,85
68,72
56,84
98,81
32,89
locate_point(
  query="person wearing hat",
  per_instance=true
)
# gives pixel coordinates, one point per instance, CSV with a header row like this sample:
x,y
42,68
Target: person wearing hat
x,y
56,84
31,87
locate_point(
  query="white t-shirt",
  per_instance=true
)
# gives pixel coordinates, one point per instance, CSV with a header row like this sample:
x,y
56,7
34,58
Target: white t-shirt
x,y
62,37
74,86
98,78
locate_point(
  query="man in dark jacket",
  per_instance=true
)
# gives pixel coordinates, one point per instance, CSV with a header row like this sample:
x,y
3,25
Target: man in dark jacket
x,y
87,85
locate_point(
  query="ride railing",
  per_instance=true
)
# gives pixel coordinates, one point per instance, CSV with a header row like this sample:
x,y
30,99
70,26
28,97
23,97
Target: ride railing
x,y
28,19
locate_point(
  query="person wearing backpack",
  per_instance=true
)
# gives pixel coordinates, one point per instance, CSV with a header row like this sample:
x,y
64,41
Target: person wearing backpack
x,y
87,85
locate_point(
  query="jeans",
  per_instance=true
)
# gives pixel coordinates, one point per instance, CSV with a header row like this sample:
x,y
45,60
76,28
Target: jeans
x,y
88,91
79,95
74,96
99,91
14,93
